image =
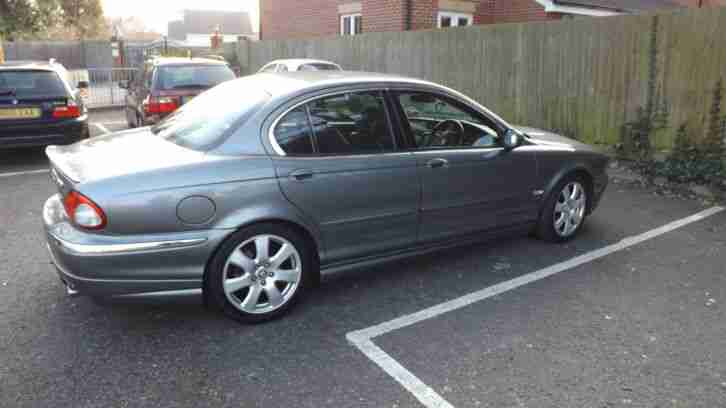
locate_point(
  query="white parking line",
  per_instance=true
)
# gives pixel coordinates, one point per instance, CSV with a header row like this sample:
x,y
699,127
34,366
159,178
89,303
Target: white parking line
x,y
21,173
102,128
363,339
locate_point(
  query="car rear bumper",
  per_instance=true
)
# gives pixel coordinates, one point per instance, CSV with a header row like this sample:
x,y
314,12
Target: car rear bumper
x,y
99,265
61,133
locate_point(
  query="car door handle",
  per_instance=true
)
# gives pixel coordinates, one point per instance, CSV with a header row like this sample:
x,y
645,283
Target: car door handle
x,y
437,163
301,175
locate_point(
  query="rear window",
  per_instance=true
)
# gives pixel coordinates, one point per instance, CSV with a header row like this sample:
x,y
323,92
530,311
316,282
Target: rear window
x,y
209,118
318,67
193,76
30,84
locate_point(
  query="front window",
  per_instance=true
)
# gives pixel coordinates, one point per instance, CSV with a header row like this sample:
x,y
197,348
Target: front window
x,y
29,84
451,19
351,24
438,122
193,76
210,117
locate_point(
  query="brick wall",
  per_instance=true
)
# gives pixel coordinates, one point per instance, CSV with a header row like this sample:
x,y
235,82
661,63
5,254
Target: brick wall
x,y
281,19
511,11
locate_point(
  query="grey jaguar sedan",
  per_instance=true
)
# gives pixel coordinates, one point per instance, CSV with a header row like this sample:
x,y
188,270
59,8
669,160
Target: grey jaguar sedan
x,y
253,190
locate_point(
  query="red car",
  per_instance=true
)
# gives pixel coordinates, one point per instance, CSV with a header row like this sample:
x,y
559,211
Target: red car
x,y
165,84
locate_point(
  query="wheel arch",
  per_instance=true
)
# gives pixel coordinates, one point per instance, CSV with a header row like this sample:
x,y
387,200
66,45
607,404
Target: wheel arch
x,y
578,170
312,239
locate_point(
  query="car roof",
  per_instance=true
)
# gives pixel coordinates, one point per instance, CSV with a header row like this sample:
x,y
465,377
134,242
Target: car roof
x,y
186,61
282,83
300,61
29,65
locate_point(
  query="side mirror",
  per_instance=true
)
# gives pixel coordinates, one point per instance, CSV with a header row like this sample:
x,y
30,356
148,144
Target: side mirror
x,y
512,139
82,85
123,84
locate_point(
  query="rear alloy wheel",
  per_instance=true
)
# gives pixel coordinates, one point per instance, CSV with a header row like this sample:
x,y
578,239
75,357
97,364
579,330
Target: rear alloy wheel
x,y
259,273
564,212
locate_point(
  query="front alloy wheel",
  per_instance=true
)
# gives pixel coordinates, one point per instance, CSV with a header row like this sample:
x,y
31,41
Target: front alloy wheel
x,y
563,213
570,209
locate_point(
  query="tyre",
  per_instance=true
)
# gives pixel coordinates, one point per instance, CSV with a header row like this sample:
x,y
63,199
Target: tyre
x,y
260,272
564,211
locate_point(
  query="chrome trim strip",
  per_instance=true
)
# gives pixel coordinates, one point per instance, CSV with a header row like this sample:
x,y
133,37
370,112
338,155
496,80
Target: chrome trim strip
x,y
161,294
114,249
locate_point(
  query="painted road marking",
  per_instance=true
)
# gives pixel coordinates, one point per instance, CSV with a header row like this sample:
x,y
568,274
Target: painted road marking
x,y
363,339
102,128
21,173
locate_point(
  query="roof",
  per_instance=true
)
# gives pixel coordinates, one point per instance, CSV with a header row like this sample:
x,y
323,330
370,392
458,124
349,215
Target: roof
x,y
187,61
24,64
296,62
281,83
206,21
622,5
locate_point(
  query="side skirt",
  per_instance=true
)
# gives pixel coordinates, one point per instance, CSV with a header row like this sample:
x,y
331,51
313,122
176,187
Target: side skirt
x,y
474,238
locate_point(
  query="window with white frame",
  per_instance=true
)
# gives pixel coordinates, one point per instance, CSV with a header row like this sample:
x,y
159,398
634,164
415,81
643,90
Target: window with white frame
x,y
452,19
351,24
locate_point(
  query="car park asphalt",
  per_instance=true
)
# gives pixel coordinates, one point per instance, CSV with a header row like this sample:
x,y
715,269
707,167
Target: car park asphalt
x,y
642,327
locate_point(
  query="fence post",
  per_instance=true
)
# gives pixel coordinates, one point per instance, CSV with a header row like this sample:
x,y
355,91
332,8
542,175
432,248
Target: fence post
x,y
243,56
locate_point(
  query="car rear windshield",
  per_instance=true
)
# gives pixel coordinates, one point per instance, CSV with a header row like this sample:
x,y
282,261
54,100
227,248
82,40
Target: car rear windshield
x,y
31,84
212,116
193,76
319,67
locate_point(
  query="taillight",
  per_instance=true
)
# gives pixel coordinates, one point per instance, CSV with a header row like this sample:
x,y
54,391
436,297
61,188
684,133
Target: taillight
x,y
155,106
69,111
84,212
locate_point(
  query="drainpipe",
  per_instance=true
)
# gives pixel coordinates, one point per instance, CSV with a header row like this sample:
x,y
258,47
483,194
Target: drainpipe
x,y
408,6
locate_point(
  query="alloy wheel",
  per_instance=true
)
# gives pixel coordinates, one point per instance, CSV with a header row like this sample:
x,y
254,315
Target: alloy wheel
x,y
570,209
262,274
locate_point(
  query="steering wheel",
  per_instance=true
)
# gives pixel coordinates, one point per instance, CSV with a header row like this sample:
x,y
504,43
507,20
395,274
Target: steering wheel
x,y
448,132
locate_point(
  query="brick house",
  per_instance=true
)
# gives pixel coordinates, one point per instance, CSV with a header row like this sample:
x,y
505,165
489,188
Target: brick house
x,y
281,19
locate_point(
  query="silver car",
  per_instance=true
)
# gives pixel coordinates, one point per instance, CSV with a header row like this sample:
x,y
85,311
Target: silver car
x,y
257,187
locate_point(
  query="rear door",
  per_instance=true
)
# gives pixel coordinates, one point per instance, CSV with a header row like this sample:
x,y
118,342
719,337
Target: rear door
x,y
340,164
469,181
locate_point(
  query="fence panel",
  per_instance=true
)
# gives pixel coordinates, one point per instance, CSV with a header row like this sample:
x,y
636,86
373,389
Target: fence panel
x,y
104,90
587,77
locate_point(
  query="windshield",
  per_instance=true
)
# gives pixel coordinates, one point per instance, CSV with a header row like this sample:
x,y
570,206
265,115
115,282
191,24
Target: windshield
x,y
209,118
31,84
319,67
193,76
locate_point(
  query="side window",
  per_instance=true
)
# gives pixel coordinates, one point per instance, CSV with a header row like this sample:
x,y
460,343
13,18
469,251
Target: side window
x,y
351,123
282,68
440,122
294,134
269,68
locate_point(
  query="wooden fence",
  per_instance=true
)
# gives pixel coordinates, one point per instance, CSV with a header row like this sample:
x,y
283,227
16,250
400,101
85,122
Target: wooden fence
x,y
591,78
72,54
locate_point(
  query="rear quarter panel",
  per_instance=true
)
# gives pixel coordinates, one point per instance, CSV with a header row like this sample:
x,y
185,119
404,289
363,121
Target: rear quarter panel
x,y
243,189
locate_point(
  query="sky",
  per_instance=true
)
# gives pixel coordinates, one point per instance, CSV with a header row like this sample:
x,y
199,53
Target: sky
x,y
157,13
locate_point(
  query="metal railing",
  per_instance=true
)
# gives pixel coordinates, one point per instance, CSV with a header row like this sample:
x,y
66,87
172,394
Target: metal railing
x,y
104,90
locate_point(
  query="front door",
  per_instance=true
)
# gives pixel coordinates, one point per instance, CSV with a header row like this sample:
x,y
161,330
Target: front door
x,y
342,168
469,181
